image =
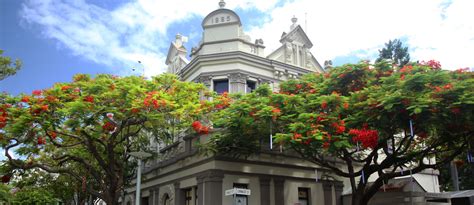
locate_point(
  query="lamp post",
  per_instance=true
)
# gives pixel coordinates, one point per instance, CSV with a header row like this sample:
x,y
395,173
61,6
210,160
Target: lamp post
x,y
139,155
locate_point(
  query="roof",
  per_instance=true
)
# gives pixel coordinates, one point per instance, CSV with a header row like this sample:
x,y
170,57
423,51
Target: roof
x,y
218,11
452,194
295,31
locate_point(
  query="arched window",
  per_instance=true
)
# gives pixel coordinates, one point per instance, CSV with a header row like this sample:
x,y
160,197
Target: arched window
x,y
166,200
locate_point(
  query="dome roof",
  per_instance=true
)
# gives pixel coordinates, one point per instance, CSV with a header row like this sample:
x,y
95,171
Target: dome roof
x,y
221,16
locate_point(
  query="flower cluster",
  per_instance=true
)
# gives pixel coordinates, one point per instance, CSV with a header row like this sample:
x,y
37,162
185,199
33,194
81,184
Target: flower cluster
x,y
108,127
150,101
41,141
339,128
199,128
89,99
223,101
433,64
3,117
368,138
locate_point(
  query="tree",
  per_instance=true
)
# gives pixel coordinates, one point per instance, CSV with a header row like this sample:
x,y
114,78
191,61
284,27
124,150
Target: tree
x,y
84,129
33,196
7,67
395,52
360,115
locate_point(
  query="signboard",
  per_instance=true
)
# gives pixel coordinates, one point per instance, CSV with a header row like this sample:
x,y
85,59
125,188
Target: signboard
x,y
237,191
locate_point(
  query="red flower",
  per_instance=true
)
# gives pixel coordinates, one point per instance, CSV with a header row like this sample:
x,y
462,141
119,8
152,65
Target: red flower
x,y
196,126
199,128
456,110
219,106
448,86
276,111
296,136
65,87
312,91
434,64
6,178
204,130
299,86
89,98
135,110
53,135
41,141
25,99
3,122
324,105
37,92
108,127
50,98
44,108
339,128
402,77
346,105
326,145
368,138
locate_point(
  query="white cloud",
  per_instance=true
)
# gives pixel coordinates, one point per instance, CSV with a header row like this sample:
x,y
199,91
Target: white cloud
x,y
434,29
119,38
138,30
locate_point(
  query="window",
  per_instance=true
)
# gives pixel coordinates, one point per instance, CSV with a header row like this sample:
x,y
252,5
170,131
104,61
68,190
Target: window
x,y
240,199
303,196
221,86
250,86
166,200
144,201
195,195
188,196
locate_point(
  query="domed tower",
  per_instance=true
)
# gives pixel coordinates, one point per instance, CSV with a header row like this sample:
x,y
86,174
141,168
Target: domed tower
x,y
227,60
222,32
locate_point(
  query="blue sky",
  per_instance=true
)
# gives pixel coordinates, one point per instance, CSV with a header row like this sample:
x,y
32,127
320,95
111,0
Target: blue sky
x,y
56,39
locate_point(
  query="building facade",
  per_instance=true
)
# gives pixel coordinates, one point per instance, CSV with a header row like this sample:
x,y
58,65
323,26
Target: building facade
x,y
227,60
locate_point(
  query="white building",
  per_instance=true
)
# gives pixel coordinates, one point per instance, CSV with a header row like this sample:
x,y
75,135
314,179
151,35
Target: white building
x,y
227,60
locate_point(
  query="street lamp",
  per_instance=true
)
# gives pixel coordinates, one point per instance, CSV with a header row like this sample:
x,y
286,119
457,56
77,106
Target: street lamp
x,y
139,155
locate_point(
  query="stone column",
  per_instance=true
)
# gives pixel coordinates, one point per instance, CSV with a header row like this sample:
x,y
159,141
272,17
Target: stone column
x,y
237,83
210,187
264,190
206,81
327,189
178,195
155,195
338,188
279,191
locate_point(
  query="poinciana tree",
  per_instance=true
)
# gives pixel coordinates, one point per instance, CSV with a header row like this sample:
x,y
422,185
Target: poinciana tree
x,y
85,128
375,119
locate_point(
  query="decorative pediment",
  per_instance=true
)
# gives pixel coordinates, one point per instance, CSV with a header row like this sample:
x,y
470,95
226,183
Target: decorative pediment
x,y
297,35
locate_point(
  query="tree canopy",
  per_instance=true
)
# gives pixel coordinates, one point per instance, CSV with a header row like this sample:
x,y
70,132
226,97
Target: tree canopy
x,y
85,128
376,119
7,67
396,52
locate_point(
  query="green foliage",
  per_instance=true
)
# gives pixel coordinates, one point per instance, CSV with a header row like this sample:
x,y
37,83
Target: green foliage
x,y
7,67
33,196
395,52
355,113
85,128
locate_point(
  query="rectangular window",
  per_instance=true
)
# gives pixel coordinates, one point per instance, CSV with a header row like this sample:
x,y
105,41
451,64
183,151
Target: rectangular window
x,y
303,196
221,86
188,196
251,85
144,201
195,195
